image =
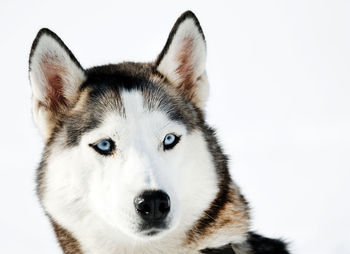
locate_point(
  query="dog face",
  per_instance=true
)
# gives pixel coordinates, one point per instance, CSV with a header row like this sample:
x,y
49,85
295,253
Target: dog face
x,y
137,146
127,150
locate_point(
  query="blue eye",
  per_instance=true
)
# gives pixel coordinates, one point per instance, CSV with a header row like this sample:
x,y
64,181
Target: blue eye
x,y
104,147
170,141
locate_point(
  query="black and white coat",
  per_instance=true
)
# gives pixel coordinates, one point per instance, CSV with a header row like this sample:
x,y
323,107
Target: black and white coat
x,y
88,193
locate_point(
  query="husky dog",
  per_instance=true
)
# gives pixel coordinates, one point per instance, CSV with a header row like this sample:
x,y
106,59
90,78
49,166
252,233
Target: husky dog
x,y
130,165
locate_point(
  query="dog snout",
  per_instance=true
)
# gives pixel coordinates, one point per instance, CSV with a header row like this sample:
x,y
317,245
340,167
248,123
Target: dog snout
x,y
153,206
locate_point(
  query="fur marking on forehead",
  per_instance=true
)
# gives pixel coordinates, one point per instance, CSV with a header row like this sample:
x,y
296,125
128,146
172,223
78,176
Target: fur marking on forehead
x,y
105,98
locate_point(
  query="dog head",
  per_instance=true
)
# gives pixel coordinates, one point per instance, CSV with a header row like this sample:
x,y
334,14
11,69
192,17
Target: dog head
x,y
127,148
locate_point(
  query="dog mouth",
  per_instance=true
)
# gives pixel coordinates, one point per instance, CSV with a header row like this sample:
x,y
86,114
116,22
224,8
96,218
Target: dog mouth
x,y
154,229
152,232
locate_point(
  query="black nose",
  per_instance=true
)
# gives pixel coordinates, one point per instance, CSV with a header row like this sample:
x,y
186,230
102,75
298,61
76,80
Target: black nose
x,y
153,205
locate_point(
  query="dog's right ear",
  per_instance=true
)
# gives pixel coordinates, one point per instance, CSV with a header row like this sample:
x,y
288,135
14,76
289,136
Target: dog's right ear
x,y
182,60
55,76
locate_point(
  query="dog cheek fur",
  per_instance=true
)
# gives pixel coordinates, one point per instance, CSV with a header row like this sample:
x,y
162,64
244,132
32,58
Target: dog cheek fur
x,y
227,218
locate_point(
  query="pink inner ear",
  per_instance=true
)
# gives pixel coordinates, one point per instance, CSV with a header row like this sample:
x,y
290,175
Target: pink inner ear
x,y
185,68
54,89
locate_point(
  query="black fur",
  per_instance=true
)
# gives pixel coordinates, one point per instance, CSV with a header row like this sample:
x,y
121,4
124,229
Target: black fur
x,y
264,245
227,249
256,244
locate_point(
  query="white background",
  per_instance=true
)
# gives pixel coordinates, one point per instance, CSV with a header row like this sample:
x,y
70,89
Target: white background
x,y
280,99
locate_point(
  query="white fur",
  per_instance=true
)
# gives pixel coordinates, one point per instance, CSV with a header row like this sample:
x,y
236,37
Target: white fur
x,y
170,62
92,195
48,49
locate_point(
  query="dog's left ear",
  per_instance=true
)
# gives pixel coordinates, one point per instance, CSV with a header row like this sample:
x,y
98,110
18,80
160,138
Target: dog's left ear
x,y
182,61
55,76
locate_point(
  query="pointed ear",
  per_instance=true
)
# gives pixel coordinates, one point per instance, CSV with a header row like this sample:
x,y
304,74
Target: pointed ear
x,y
183,59
55,77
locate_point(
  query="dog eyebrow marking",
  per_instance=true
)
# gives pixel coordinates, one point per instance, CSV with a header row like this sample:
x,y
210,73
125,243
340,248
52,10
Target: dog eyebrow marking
x,y
90,110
